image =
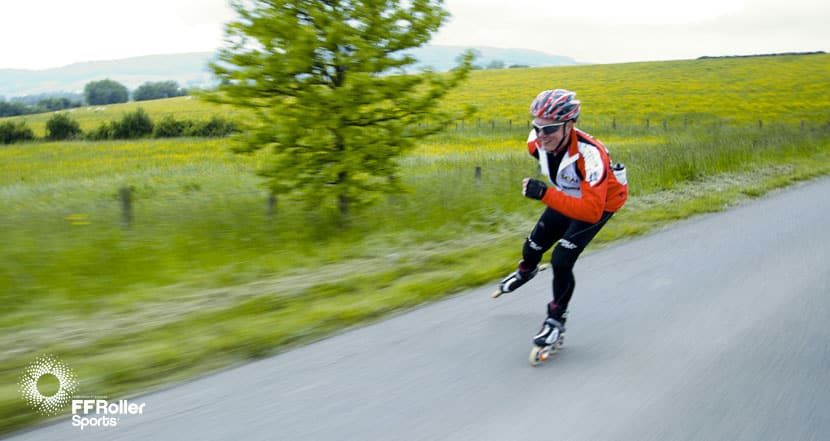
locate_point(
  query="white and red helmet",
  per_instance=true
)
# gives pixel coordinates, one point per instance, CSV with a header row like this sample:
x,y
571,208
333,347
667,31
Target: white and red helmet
x,y
558,105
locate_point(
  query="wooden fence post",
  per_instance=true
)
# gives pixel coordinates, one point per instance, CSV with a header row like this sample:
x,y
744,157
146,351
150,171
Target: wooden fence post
x,y
272,205
478,174
614,123
394,198
126,197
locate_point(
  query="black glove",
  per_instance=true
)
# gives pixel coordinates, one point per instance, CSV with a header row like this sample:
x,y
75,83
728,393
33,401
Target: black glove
x,y
535,189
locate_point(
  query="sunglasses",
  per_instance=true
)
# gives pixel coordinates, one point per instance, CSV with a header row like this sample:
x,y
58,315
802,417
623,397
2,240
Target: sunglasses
x,y
548,129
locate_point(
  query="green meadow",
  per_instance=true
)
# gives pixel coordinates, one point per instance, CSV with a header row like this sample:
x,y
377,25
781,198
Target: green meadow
x,y
203,271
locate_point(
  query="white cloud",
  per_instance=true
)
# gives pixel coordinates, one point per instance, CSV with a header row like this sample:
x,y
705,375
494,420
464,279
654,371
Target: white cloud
x,y
641,30
50,33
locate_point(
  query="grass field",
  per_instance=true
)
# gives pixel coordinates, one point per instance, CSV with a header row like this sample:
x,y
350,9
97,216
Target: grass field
x,y
738,91
90,117
205,275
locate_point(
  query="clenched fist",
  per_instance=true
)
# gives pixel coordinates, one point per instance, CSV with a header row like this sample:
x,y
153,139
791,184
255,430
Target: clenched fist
x,y
533,188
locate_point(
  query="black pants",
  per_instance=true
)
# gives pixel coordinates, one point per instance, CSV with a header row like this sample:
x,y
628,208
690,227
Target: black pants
x,y
573,237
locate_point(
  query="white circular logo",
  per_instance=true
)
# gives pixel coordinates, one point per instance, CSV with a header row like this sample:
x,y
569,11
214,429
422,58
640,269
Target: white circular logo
x,y
44,369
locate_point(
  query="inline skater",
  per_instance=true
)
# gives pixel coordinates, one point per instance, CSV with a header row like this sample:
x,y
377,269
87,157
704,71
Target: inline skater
x,y
582,193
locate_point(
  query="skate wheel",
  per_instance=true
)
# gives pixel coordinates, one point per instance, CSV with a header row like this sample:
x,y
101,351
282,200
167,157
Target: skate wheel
x,y
497,294
539,354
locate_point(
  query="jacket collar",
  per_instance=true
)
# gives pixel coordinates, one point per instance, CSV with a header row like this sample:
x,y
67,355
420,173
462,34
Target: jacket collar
x,y
573,151
573,147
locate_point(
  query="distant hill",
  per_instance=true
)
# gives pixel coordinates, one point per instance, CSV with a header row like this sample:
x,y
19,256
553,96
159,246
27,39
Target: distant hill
x,y
187,69
781,54
443,58
190,69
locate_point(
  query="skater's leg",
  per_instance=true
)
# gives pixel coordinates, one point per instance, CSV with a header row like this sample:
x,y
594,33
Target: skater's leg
x,y
575,239
550,227
577,236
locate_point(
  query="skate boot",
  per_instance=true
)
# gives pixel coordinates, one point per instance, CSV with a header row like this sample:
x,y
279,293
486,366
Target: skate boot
x,y
548,340
551,334
516,279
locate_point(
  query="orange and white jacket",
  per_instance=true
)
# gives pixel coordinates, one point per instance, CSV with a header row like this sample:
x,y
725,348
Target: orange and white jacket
x,y
584,186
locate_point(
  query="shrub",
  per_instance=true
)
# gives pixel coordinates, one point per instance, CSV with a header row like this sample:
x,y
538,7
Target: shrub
x,y
15,132
104,132
214,128
135,124
61,127
170,127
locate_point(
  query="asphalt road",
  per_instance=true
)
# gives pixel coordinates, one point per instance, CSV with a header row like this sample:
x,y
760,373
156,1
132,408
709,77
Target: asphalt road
x,y
712,329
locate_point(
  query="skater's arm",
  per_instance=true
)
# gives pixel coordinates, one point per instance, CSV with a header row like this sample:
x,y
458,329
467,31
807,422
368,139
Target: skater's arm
x,y
587,208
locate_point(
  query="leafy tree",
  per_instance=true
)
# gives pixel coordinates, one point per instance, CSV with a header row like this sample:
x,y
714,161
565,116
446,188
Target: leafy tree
x,y
13,109
495,64
36,104
105,92
158,90
325,79
61,126
56,103
37,100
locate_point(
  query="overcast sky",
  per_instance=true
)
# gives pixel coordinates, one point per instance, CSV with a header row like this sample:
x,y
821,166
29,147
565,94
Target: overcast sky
x,y
38,34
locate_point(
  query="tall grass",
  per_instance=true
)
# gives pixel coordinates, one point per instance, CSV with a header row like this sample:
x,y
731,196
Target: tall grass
x,y
199,214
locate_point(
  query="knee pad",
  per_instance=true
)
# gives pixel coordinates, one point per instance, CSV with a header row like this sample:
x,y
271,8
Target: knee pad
x,y
533,245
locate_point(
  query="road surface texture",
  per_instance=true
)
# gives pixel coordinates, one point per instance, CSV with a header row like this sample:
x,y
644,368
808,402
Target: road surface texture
x,y
716,328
